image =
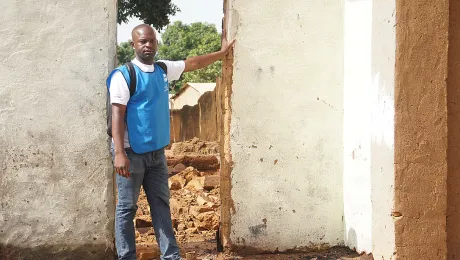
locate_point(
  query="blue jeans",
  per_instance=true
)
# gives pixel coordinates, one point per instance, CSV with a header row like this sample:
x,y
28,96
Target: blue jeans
x,y
150,171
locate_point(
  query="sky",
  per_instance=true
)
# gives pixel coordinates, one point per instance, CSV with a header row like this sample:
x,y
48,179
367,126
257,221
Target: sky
x,y
210,11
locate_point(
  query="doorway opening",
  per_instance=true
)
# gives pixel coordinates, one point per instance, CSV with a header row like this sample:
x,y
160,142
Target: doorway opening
x,y
193,157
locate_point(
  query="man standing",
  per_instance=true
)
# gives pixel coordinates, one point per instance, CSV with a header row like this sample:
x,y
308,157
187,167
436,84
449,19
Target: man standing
x,y
140,130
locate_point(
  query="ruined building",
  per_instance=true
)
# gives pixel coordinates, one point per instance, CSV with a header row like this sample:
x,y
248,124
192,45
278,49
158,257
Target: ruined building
x,y
340,125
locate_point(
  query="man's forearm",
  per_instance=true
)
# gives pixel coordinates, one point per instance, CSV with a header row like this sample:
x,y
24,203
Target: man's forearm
x,y
118,127
199,62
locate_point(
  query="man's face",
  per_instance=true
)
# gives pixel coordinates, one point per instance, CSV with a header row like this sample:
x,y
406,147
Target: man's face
x,y
145,43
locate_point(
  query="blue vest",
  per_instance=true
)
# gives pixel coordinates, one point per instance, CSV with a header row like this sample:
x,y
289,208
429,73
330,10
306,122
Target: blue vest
x,y
147,111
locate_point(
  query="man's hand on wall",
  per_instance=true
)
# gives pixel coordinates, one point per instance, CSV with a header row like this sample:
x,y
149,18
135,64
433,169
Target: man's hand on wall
x,y
226,45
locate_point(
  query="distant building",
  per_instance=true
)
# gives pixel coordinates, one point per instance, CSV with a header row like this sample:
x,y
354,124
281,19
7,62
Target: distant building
x,y
189,94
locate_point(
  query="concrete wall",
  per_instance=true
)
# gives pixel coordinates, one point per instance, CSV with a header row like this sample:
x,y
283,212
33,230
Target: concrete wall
x,y
200,120
286,175
400,127
369,126
56,188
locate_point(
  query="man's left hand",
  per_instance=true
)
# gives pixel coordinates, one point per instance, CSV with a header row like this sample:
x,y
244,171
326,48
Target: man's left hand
x,y
226,45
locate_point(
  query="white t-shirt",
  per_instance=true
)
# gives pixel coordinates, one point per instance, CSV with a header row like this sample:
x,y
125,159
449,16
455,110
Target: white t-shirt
x,y
119,90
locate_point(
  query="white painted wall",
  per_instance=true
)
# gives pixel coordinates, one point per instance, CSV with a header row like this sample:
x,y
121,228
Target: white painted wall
x,y
382,127
369,126
357,125
286,126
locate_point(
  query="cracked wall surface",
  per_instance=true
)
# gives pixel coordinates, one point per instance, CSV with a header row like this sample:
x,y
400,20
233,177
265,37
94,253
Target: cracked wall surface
x,y
401,60
285,142
56,181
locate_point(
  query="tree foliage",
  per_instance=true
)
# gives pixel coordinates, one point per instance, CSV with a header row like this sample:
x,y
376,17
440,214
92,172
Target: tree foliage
x,y
180,41
152,12
125,53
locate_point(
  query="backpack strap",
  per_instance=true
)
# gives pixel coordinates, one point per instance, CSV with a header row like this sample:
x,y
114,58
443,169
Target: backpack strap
x,y
165,69
163,66
132,78
132,89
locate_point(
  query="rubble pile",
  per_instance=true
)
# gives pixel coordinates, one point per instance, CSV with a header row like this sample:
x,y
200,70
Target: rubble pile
x,y
195,200
195,146
194,205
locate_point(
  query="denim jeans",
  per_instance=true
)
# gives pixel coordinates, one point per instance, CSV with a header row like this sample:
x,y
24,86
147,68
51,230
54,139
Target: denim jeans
x,y
150,171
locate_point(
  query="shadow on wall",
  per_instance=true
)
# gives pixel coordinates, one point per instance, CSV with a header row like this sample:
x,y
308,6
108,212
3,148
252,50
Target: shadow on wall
x,y
351,238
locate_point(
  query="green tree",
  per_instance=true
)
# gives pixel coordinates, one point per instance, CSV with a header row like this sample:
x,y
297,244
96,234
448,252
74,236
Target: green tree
x,y
180,41
152,12
125,53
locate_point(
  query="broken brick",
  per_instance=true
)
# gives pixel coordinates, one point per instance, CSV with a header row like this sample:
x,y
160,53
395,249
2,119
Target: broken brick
x,y
196,184
176,182
196,210
211,182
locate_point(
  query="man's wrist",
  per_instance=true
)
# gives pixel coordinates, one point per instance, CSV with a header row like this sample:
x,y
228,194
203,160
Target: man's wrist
x,y
119,152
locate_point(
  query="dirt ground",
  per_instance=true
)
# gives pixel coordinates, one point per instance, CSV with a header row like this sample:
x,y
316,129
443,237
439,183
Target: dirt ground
x,y
195,202
206,250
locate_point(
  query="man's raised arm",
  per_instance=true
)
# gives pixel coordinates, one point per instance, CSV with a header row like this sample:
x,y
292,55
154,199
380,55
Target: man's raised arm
x,y
199,62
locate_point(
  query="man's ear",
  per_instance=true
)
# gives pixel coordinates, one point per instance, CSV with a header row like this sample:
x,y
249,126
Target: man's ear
x,y
131,43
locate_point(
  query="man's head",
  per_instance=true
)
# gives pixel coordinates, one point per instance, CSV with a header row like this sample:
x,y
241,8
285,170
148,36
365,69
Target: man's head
x,y
145,43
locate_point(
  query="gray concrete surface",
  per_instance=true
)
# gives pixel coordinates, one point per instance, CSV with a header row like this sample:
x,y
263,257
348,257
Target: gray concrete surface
x,y
56,185
286,124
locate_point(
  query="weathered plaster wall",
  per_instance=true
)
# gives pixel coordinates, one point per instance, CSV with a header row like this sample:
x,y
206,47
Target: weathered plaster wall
x,y
286,124
56,188
421,129
224,105
453,121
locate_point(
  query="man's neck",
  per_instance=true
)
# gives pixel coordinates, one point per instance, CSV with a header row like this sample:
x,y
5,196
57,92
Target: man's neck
x,y
146,62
